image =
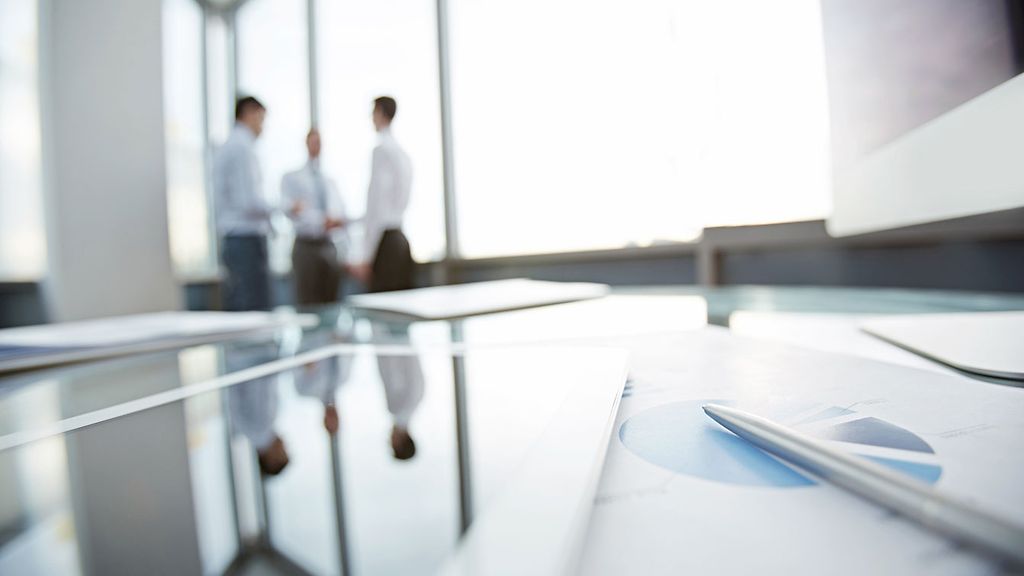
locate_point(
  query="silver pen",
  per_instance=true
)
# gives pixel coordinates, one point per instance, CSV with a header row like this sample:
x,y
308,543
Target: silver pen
x,y
898,492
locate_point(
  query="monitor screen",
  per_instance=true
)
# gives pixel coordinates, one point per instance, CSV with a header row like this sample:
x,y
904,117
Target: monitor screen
x,y
926,109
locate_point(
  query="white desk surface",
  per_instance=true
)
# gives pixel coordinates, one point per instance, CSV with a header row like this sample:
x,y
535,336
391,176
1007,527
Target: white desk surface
x,y
839,333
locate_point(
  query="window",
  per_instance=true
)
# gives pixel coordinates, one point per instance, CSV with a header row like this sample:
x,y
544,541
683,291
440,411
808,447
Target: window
x,y
584,125
615,124
371,49
273,67
22,234
192,246
220,101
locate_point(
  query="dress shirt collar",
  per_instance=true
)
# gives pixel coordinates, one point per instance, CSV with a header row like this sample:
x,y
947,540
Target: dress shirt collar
x,y
313,164
244,133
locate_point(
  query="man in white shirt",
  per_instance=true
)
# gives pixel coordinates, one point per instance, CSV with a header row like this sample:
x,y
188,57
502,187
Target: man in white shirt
x,y
387,262
242,214
312,202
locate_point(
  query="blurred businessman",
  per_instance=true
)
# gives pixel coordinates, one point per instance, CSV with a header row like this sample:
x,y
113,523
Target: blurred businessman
x,y
312,202
387,262
243,216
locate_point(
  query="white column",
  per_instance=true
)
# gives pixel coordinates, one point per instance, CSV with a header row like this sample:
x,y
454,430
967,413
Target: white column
x,y
103,159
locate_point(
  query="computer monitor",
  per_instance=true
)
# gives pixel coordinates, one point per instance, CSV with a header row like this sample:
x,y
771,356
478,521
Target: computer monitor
x,y
927,110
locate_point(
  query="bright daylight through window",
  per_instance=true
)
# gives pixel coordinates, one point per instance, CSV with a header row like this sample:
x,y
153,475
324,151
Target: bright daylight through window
x,y
661,118
658,119
192,245
370,49
22,238
273,67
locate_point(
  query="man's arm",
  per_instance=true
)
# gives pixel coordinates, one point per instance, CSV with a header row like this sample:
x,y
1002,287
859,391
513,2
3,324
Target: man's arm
x,y
247,174
291,204
222,178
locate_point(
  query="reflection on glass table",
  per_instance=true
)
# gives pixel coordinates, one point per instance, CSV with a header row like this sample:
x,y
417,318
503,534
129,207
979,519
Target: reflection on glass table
x,y
382,455
355,464
38,401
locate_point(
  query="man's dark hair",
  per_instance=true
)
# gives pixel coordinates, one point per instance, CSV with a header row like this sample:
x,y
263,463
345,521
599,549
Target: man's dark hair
x,y
269,467
246,103
403,446
273,459
387,106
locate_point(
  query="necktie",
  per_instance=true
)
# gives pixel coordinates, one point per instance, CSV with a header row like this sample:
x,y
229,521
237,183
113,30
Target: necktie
x,y
320,190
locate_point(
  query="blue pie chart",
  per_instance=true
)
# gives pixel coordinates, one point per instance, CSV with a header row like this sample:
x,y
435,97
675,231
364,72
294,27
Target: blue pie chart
x,y
679,437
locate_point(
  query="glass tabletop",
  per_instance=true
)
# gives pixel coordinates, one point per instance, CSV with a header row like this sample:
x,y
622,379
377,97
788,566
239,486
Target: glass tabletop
x,y
724,300
34,403
371,462
157,457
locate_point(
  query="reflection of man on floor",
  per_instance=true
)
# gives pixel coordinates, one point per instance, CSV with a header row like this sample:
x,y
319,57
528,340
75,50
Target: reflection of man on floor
x,y
321,380
402,377
253,407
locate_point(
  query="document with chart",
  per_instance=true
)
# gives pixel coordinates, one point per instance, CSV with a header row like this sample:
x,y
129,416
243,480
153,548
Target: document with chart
x,y
680,494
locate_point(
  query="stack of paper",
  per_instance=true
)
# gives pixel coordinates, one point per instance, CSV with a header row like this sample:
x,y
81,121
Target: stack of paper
x,y
681,495
49,344
461,300
986,343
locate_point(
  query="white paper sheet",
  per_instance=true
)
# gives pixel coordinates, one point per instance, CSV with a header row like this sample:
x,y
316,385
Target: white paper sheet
x,y
679,495
48,344
986,343
460,300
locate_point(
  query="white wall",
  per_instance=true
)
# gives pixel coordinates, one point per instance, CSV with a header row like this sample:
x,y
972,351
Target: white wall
x,y
103,150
